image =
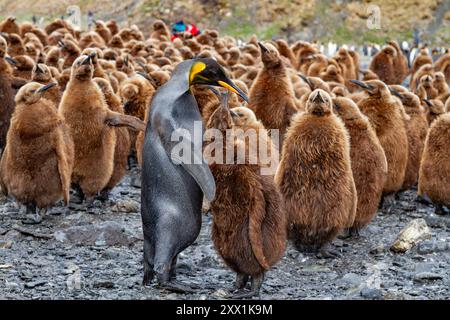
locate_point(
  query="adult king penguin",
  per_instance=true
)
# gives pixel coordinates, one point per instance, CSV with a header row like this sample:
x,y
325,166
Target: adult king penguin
x,y
173,187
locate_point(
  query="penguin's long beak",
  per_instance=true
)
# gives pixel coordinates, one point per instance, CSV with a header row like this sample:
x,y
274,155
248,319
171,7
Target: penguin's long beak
x,y
234,115
306,80
396,93
11,61
319,98
39,69
233,88
428,102
46,87
263,47
87,60
362,84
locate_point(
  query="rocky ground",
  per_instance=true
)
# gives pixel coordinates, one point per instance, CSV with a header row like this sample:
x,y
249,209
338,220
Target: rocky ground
x,y
97,254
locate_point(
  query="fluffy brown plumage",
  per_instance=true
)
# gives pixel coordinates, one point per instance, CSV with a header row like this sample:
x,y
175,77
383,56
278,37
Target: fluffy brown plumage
x,y
123,144
272,96
382,65
89,119
388,121
39,149
435,166
369,165
315,176
249,226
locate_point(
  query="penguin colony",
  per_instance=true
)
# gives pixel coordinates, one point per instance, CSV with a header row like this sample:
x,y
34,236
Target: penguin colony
x,y
74,106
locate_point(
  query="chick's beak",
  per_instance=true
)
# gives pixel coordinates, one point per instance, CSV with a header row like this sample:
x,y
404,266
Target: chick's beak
x,y
87,60
362,84
319,98
11,61
233,88
46,87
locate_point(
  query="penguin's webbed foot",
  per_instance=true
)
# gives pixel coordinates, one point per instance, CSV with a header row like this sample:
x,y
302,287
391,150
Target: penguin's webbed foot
x,y
441,210
178,287
241,281
424,199
257,282
327,252
388,203
349,233
33,215
103,196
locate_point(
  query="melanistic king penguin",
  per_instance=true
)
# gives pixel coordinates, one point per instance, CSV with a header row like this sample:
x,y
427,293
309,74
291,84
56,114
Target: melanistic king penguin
x,y
174,183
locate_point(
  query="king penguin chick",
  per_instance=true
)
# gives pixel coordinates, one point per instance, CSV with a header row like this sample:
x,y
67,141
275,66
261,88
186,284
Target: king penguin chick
x,y
433,109
272,96
315,176
369,165
123,143
416,130
42,74
37,163
383,65
89,119
434,173
387,119
249,223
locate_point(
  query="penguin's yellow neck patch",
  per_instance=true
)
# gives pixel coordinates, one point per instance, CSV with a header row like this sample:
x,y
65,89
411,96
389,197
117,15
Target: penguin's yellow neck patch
x,y
196,68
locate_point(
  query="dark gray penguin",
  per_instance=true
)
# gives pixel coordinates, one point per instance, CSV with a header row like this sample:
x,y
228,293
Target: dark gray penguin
x,y
173,181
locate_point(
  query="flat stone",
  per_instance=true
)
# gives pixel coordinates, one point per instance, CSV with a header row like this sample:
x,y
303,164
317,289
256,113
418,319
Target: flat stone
x,y
99,234
426,276
127,206
371,293
6,244
414,232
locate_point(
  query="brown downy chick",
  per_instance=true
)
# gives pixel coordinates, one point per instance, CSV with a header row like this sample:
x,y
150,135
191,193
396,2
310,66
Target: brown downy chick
x,y
103,30
420,60
98,68
113,27
401,69
368,75
345,60
387,119
160,30
234,101
52,58
425,89
434,172
426,69
10,26
42,74
272,96
440,84
416,130
89,119
249,224
136,94
37,163
7,86
123,144
383,65
319,65
315,176
70,51
332,74
15,45
369,165
433,109
23,65
116,42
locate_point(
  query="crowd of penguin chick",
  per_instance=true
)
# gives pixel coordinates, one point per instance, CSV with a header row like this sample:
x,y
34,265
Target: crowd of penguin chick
x,y
74,106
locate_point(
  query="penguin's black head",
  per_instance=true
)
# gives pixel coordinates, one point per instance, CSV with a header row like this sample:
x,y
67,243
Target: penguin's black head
x,y
207,71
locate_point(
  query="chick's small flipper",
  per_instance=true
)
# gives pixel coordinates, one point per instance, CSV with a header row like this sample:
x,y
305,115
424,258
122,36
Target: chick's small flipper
x,y
116,119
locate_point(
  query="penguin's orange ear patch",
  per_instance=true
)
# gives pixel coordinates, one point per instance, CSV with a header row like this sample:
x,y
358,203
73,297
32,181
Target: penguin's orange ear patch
x,y
196,68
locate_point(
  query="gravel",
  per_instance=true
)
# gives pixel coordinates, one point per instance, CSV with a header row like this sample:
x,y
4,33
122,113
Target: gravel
x,y
97,254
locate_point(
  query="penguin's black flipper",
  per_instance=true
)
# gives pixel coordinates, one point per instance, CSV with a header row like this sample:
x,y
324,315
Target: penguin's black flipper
x,y
193,163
